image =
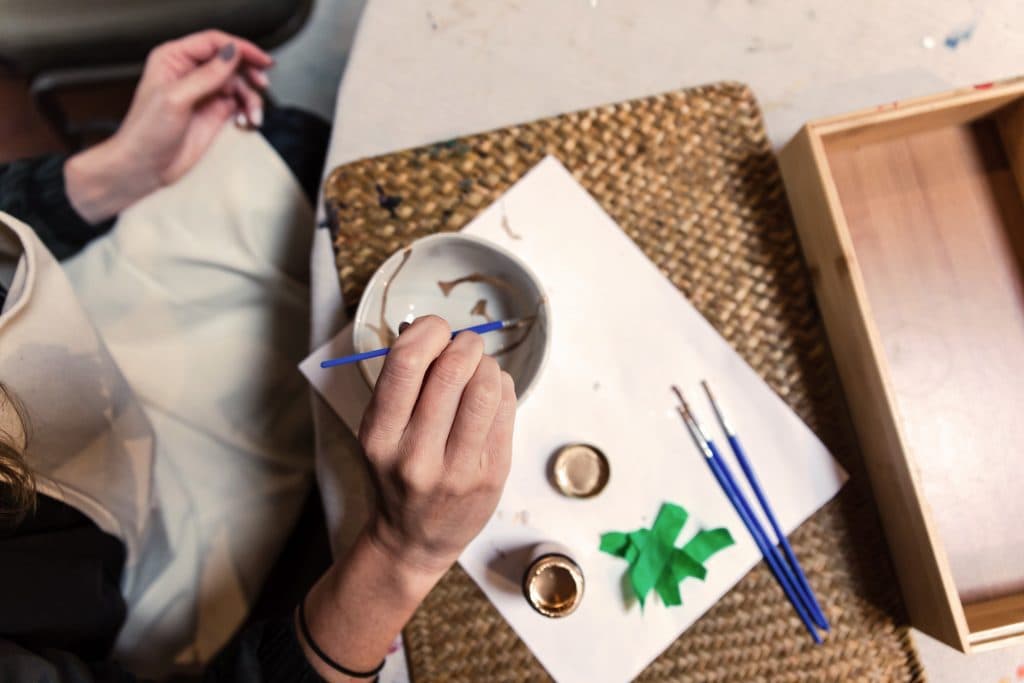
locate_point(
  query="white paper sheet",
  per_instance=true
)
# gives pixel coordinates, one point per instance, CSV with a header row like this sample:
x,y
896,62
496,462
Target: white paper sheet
x,y
620,334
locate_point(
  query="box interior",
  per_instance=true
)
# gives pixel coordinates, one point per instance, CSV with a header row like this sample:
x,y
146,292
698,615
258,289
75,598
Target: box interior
x,y
934,204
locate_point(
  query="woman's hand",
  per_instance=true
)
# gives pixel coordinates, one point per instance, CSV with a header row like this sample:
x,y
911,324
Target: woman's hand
x,y
438,435
188,90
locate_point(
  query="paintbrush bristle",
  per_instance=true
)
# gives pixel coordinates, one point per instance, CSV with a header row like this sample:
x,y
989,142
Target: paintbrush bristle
x,y
679,395
726,426
694,430
682,401
687,412
516,324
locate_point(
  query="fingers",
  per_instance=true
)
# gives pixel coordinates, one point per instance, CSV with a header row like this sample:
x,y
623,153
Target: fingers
x,y
206,80
219,110
250,103
201,47
499,441
435,412
399,384
476,413
257,77
196,66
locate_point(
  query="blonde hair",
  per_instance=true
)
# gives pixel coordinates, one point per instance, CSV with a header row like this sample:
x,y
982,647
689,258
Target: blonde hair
x,y
17,485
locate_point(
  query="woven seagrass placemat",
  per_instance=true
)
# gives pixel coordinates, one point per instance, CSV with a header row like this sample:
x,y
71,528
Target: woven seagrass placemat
x,y
691,178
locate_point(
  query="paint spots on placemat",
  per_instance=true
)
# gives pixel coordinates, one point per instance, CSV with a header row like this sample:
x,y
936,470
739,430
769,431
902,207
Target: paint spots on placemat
x,y
388,202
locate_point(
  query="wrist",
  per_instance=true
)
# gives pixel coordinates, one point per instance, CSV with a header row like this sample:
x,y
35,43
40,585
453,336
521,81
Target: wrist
x,y
102,181
413,561
357,609
412,573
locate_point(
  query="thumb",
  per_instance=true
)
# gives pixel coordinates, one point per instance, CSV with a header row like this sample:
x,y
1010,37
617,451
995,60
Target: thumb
x,y
209,78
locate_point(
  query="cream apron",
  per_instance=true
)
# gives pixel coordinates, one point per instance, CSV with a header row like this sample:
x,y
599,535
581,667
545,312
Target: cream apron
x,y
158,368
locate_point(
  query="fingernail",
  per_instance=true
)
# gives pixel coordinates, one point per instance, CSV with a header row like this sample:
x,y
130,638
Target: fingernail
x,y
227,52
402,327
240,120
257,118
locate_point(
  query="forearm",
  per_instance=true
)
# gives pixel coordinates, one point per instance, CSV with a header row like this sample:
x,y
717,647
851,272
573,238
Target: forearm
x,y
33,191
102,181
360,605
439,467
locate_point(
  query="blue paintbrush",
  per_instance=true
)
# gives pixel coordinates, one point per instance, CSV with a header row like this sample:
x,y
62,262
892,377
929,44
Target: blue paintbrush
x,y
482,328
724,477
741,457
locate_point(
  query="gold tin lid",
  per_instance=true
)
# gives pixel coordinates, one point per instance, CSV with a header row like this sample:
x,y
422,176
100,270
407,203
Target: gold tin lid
x,y
553,585
580,470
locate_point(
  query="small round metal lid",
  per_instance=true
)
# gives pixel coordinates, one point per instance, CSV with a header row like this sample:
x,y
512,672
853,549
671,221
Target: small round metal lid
x,y
554,585
580,470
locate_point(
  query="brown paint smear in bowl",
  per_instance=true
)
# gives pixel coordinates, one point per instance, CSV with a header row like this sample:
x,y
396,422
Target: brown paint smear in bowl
x,y
383,331
480,308
387,336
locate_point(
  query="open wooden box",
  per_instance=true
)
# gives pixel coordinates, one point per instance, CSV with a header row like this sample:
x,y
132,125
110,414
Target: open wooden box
x,y
912,222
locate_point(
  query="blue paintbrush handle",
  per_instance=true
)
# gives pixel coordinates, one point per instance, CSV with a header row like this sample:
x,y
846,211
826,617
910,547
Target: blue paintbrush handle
x,y
482,328
354,358
801,579
721,472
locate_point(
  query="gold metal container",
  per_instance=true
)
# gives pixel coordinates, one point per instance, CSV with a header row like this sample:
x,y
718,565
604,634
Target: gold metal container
x,y
580,470
553,582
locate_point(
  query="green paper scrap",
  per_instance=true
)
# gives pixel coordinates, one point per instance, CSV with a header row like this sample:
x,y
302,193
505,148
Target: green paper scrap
x,y
656,553
707,543
655,563
680,566
637,542
668,591
614,543
684,565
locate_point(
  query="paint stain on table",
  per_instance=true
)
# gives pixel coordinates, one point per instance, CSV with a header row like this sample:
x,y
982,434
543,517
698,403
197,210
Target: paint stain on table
x,y
959,36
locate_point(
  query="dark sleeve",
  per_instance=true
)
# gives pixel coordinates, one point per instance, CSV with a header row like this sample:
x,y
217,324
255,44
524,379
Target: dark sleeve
x,y
18,663
267,652
61,609
32,190
300,139
60,582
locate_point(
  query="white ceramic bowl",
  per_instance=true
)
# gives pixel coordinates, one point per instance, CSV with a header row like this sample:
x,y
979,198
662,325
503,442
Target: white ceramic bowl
x,y
449,275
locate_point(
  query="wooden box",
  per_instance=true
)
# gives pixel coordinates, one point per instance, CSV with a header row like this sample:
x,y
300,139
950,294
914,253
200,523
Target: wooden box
x,y
912,222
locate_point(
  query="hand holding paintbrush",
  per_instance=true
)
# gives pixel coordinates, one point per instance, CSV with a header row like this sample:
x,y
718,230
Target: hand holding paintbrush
x,y
437,436
482,328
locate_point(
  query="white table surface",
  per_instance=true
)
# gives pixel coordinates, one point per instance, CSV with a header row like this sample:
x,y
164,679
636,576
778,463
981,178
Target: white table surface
x,y
420,72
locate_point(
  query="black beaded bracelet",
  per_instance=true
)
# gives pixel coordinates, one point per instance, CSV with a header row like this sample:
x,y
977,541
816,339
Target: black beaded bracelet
x,y
323,655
